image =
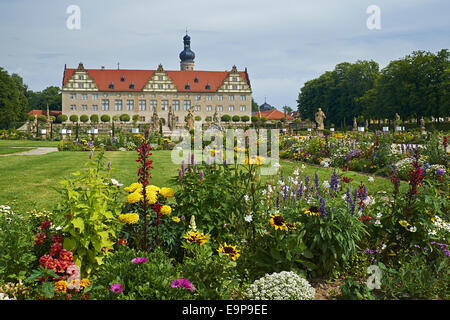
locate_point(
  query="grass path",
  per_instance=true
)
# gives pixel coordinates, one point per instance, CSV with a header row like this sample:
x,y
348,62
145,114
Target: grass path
x,y
28,182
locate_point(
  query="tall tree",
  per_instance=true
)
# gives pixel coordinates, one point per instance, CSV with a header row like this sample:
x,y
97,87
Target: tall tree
x,y
13,103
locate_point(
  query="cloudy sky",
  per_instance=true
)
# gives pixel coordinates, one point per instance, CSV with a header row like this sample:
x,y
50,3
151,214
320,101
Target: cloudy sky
x,y
283,43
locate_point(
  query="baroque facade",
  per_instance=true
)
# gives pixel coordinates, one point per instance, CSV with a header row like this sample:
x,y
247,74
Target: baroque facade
x,y
140,92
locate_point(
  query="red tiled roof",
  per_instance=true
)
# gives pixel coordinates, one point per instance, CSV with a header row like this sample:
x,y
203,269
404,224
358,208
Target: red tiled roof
x,y
273,115
38,113
103,78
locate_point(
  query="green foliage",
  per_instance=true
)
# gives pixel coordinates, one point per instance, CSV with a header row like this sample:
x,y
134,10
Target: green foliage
x,y
105,118
91,205
62,118
225,118
13,103
84,118
147,281
354,290
236,118
94,118
73,118
124,117
213,275
16,241
44,288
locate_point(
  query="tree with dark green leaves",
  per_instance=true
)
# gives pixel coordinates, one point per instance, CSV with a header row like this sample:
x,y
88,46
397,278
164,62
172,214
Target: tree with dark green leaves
x,y
13,103
39,100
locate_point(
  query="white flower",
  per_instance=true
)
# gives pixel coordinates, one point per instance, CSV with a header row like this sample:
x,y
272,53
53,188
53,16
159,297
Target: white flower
x,y
412,229
303,166
377,222
296,172
379,215
383,246
371,179
326,184
276,165
248,218
246,197
115,182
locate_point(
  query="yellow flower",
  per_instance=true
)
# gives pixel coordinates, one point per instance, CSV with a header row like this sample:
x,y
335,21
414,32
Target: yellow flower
x,y
176,219
196,237
84,283
130,218
312,211
152,197
277,222
404,223
61,286
166,210
254,160
134,197
229,250
167,192
133,187
152,189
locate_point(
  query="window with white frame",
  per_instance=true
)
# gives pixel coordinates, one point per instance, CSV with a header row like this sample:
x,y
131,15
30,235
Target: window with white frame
x,y
242,108
219,98
219,108
231,108
208,98
153,105
94,107
243,97
80,85
142,105
94,96
198,108
84,107
198,98
130,105
73,96
118,105
208,108
73,107
84,96
105,105
187,105
164,105
231,98
176,105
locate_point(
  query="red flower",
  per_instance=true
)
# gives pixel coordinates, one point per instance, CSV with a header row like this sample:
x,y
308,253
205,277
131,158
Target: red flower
x,y
56,248
56,238
45,224
39,239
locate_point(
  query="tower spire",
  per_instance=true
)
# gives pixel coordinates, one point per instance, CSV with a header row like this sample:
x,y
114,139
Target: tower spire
x,y
187,55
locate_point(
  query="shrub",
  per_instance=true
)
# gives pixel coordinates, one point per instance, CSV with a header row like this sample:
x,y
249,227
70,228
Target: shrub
x,y
62,118
105,118
73,118
84,118
124,117
285,285
236,118
245,118
94,118
225,118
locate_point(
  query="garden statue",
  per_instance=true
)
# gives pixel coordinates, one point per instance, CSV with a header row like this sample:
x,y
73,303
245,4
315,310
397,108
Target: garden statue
x,y
367,125
216,116
155,121
319,119
190,120
422,126
171,119
355,124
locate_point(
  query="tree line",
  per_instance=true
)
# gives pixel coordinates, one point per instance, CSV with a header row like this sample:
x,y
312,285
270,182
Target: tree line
x,y
414,86
16,100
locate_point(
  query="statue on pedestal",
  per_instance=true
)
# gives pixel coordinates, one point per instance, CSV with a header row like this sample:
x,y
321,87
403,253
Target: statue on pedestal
x,y
155,121
355,124
171,119
190,120
422,126
319,116
216,116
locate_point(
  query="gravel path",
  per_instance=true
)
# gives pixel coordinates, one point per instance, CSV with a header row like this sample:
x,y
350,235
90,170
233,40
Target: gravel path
x,y
32,152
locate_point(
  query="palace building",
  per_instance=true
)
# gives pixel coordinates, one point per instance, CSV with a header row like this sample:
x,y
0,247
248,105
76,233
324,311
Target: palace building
x,y
141,92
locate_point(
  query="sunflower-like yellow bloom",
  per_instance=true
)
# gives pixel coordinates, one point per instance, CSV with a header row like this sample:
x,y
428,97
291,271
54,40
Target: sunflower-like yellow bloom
x,y
129,218
312,211
176,219
229,250
404,223
254,160
196,237
166,210
133,187
166,192
277,222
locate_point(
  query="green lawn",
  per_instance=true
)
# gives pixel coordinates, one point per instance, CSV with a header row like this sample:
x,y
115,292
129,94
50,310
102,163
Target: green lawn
x,y
28,181
9,150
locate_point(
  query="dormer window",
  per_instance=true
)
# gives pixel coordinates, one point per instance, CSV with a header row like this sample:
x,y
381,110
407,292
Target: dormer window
x,y
122,79
187,86
111,85
196,80
131,85
208,87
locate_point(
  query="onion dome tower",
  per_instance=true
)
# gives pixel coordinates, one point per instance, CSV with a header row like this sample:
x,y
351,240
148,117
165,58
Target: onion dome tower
x,y
187,56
